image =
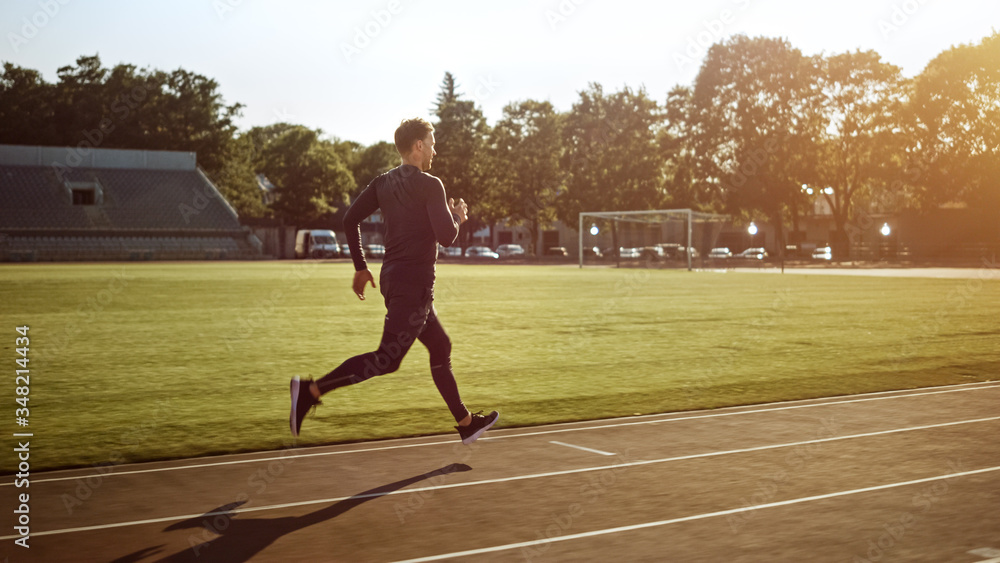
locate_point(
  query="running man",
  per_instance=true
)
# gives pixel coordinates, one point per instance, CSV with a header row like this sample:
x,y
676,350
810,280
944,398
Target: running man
x,y
417,216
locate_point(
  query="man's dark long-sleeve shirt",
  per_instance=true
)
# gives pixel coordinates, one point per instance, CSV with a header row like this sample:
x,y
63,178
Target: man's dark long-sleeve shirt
x,y
416,216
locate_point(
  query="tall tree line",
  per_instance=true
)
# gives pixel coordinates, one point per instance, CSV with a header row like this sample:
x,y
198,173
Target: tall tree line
x,y
762,131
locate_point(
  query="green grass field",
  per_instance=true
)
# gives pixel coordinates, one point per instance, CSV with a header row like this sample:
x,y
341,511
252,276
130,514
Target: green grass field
x,y
148,361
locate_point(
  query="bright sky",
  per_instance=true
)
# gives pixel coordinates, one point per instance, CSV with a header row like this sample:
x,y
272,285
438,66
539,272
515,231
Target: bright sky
x,y
355,69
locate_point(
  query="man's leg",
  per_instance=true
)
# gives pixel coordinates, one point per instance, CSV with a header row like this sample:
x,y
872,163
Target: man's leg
x,y
407,309
439,347
470,426
384,360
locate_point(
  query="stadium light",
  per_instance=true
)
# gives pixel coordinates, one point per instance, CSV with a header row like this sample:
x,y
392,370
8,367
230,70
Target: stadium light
x,y
752,229
885,230
594,230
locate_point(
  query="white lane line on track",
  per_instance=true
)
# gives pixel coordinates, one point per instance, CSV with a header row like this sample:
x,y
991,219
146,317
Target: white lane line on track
x,y
947,389
504,479
581,448
720,415
620,529
795,403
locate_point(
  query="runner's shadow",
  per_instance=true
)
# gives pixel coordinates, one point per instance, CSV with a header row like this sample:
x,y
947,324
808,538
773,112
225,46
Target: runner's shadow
x,y
139,555
243,538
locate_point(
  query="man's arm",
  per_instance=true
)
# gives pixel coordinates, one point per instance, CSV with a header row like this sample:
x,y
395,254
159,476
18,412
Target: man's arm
x,y
365,205
446,216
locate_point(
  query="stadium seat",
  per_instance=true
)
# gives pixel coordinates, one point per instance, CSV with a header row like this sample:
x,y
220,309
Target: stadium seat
x,y
35,197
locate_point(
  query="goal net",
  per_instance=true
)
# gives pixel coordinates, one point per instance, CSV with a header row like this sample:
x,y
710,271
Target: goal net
x,y
663,238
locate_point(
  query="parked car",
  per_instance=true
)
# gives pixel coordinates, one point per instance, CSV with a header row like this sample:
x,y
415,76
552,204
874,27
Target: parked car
x,y
753,254
629,253
652,253
683,252
480,252
720,253
793,251
375,250
449,251
670,251
510,251
316,244
822,253
557,251
594,252
345,250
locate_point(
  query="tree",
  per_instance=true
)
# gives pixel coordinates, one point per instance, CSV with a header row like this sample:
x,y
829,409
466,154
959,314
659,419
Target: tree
x,y
25,107
80,104
685,186
449,91
955,109
860,147
460,133
524,173
755,107
237,180
311,178
95,107
123,107
258,138
200,120
373,160
611,154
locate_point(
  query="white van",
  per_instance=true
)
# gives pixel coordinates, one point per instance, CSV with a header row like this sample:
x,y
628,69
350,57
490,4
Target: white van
x,y
316,244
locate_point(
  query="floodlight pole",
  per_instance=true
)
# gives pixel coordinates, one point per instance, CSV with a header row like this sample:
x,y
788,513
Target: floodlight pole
x,y
579,247
688,251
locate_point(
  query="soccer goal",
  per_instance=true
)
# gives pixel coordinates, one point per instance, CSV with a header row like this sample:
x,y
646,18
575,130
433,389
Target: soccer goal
x,y
666,237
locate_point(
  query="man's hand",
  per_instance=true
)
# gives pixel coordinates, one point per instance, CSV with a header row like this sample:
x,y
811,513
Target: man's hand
x,y
461,209
361,279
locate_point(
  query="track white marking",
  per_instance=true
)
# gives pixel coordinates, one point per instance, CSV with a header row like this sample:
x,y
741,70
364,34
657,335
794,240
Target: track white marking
x,y
965,387
505,479
720,415
633,527
582,448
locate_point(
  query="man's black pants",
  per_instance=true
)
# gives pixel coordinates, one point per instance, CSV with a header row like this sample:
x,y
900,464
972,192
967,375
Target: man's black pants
x,y
410,316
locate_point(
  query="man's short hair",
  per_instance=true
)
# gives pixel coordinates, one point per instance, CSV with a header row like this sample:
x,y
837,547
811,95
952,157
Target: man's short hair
x,y
409,132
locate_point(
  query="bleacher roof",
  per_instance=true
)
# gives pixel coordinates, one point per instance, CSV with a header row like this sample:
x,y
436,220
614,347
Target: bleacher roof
x,y
139,191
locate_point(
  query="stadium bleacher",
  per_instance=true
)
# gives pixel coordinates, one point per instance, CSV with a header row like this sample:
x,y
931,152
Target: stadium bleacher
x,y
114,205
